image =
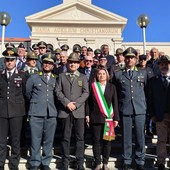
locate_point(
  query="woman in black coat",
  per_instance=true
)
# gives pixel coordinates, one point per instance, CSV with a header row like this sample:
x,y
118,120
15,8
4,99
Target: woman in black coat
x,y
103,116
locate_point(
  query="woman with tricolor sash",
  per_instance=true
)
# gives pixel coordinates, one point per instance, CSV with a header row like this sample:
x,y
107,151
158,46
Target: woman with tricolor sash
x,y
103,116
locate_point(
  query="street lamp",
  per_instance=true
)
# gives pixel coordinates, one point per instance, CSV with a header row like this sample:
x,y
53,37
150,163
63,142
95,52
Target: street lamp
x,y
5,19
143,21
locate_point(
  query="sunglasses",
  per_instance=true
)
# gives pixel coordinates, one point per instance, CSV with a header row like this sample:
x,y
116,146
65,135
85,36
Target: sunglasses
x,y
42,47
9,59
90,61
143,59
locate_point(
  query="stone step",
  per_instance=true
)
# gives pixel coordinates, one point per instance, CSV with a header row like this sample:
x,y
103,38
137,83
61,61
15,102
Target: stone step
x,y
115,161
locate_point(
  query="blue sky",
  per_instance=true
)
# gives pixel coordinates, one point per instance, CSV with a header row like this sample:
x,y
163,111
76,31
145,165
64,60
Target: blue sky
x,y
158,11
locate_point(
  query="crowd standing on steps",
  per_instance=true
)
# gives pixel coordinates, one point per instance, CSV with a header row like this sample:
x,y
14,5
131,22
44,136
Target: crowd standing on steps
x,y
88,88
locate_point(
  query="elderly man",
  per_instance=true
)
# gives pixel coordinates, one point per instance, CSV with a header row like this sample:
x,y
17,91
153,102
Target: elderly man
x,y
159,107
72,92
88,70
130,83
153,61
40,89
62,66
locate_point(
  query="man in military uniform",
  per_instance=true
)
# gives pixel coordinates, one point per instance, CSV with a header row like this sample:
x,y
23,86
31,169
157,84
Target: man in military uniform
x,y
64,47
31,64
120,62
42,50
130,83
12,104
30,68
42,114
35,49
72,91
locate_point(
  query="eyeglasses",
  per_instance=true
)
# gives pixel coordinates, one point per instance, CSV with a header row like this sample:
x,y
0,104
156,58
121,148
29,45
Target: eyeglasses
x,y
9,59
90,61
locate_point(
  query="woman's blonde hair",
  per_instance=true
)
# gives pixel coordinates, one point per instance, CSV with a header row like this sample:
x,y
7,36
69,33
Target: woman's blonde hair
x,y
97,71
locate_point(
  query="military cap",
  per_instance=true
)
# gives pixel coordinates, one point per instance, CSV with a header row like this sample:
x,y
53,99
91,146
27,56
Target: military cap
x,y
97,51
95,58
89,49
164,59
74,57
130,52
9,45
32,56
21,45
76,45
76,49
102,57
34,46
50,47
9,53
142,57
48,57
42,44
57,51
119,51
64,47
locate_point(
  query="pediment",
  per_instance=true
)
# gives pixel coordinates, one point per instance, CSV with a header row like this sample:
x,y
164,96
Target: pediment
x,y
76,11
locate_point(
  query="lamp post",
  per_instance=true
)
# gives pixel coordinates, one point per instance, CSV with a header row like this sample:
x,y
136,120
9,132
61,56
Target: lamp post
x,y
5,19
143,21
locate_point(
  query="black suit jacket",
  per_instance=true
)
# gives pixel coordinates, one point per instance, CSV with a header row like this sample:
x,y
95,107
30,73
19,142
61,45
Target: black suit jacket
x,y
12,101
93,110
158,98
92,74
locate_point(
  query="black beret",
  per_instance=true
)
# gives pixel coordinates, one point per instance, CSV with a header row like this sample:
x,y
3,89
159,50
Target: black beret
x,y
21,45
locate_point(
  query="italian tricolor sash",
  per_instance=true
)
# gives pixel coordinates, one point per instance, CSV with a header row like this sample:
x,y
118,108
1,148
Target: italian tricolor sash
x,y
107,112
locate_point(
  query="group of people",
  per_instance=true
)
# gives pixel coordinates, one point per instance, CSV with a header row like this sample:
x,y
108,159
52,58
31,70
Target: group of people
x,y
82,89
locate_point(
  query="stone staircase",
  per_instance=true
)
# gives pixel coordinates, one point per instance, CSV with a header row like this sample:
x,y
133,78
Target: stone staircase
x,y
115,160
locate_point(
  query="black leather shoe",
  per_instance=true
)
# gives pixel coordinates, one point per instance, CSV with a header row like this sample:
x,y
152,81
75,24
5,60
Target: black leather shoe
x,y
1,168
140,167
161,167
34,168
127,167
64,168
45,167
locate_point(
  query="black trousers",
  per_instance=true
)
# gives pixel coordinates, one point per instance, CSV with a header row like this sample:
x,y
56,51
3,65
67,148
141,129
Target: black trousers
x,y
67,126
12,125
100,146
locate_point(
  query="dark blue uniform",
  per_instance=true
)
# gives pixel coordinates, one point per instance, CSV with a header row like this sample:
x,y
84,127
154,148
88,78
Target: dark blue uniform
x,y
132,107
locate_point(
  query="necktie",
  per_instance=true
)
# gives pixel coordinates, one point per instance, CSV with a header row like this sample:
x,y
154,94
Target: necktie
x,y
31,70
130,73
166,81
64,68
19,65
88,73
46,77
9,75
